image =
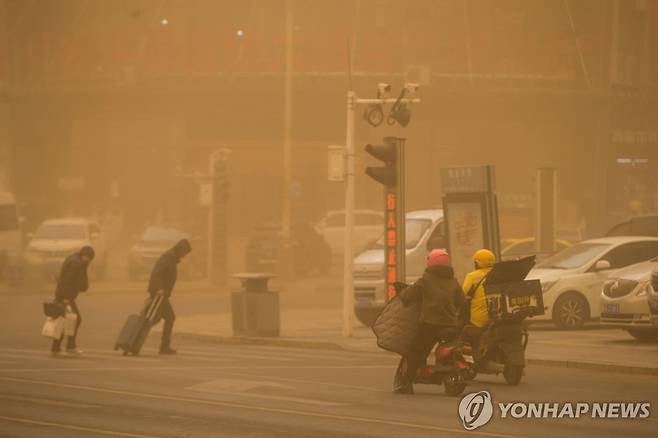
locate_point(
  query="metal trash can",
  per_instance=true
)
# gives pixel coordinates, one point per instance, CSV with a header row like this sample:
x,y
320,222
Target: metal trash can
x,y
254,309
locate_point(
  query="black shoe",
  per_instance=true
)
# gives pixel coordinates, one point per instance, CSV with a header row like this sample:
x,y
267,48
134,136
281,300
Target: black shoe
x,y
166,350
406,388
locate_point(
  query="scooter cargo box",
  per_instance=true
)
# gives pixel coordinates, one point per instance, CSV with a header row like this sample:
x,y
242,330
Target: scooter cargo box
x,y
520,299
509,295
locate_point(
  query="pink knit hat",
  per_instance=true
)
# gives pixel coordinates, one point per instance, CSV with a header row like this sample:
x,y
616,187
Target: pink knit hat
x,y
438,257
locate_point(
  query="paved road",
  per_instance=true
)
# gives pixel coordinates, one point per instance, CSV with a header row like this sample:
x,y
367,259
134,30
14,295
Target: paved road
x,y
253,391
214,390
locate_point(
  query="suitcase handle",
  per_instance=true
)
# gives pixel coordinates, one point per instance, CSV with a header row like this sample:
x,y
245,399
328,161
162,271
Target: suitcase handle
x,y
152,306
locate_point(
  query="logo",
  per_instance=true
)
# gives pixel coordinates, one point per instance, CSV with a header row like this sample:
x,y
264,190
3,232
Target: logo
x,y
476,409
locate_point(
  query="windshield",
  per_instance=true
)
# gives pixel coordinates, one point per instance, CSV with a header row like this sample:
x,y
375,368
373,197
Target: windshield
x,y
159,234
61,232
414,231
574,257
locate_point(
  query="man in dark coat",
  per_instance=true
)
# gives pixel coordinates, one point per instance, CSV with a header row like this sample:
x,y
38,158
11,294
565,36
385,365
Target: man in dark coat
x,y
162,282
441,298
71,281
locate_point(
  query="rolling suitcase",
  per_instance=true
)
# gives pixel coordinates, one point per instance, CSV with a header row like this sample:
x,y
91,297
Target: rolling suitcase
x,y
137,327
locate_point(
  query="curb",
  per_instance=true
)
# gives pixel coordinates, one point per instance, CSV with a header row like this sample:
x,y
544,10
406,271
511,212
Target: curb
x,y
328,345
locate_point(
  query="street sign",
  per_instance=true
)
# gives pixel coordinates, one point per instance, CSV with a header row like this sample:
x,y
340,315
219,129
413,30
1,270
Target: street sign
x,y
470,210
336,163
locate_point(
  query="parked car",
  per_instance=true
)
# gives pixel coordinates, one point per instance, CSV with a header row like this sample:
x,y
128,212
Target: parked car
x,y
155,240
11,241
368,226
646,225
56,239
424,231
517,248
573,278
625,300
310,252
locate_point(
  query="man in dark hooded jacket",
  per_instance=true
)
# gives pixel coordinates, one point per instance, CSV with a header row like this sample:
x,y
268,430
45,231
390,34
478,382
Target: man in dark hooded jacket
x,y
162,282
441,298
71,281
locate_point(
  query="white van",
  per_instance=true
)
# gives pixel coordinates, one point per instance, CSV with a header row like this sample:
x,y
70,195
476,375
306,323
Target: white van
x,y
425,231
11,242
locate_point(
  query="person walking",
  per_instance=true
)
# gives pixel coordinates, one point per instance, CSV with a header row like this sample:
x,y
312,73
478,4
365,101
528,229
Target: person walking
x,y
162,282
71,281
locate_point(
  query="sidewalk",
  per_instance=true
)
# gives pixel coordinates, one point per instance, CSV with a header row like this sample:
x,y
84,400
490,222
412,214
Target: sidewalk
x,y
600,349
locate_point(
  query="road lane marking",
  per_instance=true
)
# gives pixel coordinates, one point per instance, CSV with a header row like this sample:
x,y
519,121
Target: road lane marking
x,y
73,427
46,401
249,388
194,367
294,412
312,382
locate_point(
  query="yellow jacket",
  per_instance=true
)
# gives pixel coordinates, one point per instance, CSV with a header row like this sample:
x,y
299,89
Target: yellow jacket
x,y
479,312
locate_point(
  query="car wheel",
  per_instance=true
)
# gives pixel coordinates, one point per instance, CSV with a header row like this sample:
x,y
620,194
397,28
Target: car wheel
x,y
643,335
570,311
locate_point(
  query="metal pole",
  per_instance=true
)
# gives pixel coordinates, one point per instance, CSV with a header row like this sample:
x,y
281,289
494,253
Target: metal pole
x,y
287,147
211,219
348,295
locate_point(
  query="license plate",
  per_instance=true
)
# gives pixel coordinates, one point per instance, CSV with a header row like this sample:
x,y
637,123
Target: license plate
x,y
521,301
468,358
612,308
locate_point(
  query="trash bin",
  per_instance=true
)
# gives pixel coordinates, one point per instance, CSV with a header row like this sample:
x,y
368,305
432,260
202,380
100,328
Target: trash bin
x,y
255,309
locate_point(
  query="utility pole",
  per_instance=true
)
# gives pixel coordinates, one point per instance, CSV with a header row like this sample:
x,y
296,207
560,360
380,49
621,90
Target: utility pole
x,y
348,262
286,252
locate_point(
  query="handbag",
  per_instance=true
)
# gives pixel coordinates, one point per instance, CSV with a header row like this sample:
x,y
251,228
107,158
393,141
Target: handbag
x,y
53,310
70,322
53,328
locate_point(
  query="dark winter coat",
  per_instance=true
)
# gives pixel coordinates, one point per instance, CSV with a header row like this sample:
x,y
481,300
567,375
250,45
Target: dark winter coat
x,y
440,294
72,278
164,273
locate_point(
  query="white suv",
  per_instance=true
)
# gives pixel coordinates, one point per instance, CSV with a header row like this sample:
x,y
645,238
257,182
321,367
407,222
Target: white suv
x,y
56,239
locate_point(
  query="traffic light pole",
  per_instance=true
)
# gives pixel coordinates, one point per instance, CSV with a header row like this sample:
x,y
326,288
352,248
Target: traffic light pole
x,y
348,284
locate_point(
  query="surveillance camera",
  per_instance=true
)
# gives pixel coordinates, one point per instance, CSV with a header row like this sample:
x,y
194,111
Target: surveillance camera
x,y
411,87
383,89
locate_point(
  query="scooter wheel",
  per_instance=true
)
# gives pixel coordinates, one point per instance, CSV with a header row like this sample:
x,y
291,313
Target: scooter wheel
x,y
454,386
513,374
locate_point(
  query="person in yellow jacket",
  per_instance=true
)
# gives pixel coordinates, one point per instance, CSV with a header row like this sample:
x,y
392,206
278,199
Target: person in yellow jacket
x,y
484,261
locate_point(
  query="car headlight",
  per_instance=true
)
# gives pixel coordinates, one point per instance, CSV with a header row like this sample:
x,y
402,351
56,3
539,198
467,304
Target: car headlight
x,y
546,285
643,289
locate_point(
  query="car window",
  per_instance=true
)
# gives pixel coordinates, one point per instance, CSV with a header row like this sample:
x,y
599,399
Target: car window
x,y
414,231
61,232
574,257
623,229
522,248
335,220
367,219
631,253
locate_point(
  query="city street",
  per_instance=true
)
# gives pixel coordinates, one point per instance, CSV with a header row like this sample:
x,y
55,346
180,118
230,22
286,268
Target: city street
x,y
221,390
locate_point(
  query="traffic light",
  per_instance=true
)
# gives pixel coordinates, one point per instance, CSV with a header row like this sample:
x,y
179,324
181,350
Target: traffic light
x,y
392,176
389,154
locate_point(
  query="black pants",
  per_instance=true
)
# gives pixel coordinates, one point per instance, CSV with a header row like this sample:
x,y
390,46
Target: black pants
x,y
428,336
167,314
70,342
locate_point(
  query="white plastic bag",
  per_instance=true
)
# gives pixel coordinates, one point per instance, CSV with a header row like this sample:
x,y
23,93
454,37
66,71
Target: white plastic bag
x,y
71,321
53,328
